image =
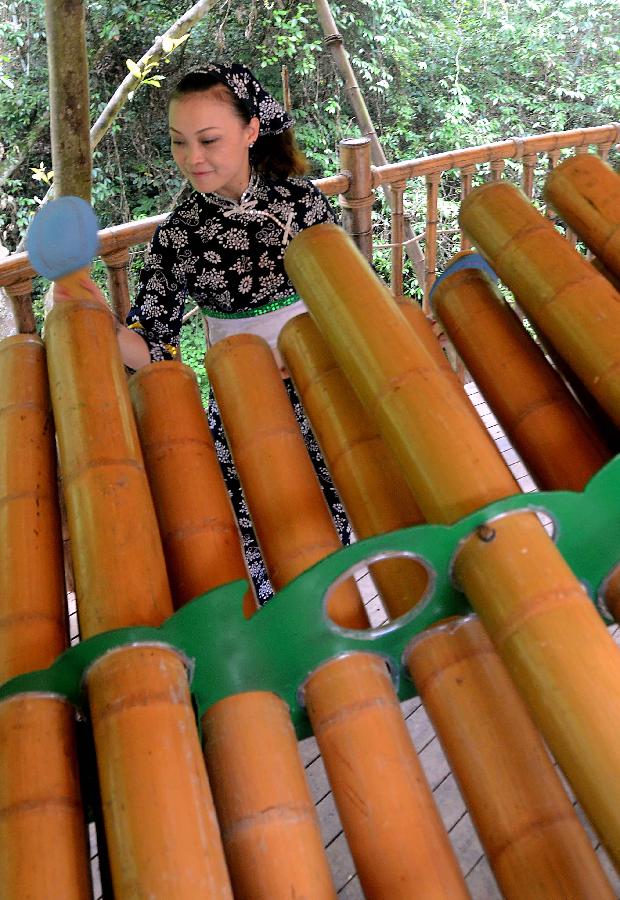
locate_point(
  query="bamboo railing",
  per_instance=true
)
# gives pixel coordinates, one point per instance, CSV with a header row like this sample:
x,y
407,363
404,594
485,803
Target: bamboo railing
x,y
355,185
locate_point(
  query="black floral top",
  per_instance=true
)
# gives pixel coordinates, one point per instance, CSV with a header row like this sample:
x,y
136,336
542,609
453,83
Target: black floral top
x,y
227,256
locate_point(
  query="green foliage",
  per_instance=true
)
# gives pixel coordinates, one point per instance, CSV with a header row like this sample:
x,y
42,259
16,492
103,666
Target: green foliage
x,y
435,75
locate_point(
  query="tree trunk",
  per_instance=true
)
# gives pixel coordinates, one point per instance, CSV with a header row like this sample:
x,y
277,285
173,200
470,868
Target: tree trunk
x,y
68,90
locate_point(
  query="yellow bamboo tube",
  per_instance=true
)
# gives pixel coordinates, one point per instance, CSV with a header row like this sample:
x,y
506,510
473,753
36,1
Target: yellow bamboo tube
x,y
574,306
163,837
373,490
396,837
585,191
533,839
197,524
290,516
417,406
414,314
549,429
557,649
269,825
32,601
43,846
119,567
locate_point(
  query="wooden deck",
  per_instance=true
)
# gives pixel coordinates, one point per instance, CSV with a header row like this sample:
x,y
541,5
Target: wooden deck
x,y
456,818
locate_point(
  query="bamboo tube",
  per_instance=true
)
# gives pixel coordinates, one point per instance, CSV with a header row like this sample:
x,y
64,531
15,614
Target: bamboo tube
x,y
269,825
396,837
533,839
511,572
574,306
197,524
162,832
418,408
32,602
549,429
289,513
119,567
585,191
43,847
570,682
373,490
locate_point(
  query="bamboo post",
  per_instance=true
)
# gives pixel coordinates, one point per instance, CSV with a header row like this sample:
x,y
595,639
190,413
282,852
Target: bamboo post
x,y
533,839
497,167
370,484
20,298
527,181
269,823
117,265
42,836
549,429
585,191
466,173
288,510
162,832
553,158
199,531
570,683
357,202
519,242
430,241
392,825
397,239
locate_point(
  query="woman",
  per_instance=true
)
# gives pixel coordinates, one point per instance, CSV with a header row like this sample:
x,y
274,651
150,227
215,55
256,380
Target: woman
x,y
224,245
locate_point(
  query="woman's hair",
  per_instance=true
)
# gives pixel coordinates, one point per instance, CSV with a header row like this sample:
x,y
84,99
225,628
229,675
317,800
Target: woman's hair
x,y
272,154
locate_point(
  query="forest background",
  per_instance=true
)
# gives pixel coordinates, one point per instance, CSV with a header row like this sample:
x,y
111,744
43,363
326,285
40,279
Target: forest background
x,y
435,74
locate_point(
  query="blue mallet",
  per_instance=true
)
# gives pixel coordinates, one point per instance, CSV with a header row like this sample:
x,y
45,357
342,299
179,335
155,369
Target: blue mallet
x,y
62,241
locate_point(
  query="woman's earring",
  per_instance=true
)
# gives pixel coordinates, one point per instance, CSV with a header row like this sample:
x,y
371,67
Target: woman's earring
x,y
251,145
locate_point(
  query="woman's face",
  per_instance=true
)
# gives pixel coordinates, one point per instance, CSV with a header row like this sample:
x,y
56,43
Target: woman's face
x,y
210,143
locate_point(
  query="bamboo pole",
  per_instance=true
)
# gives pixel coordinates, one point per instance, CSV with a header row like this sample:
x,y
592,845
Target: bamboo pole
x,y
199,531
288,510
549,429
119,567
269,823
157,805
533,839
550,280
392,825
372,488
585,191
357,201
32,602
335,44
571,682
43,843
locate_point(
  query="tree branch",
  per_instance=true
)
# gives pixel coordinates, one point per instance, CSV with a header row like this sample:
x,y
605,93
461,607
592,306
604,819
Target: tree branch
x,y
181,27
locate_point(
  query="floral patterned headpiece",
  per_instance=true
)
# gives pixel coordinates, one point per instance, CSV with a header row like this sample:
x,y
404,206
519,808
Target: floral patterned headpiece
x,y
273,117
